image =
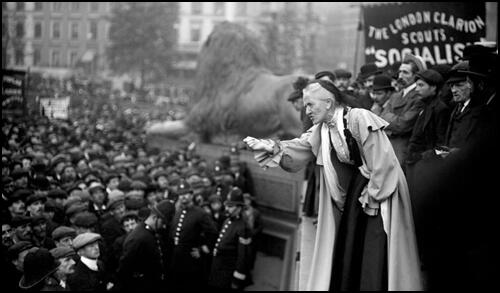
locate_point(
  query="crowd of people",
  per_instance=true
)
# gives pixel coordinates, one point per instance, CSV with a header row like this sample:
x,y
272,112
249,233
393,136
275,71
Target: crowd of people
x,y
88,205
441,122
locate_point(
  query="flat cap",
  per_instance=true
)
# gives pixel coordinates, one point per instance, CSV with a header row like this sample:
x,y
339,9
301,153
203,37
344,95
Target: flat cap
x,y
63,231
94,185
57,193
76,208
115,193
37,220
85,219
419,61
138,185
85,239
18,173
20,221
20,194
134,203
19,247
342,73
115,201
61,252
430,76
35,197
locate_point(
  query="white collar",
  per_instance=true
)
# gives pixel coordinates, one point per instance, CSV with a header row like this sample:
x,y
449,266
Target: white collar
x,y
90,263
62,283
465,105
408,89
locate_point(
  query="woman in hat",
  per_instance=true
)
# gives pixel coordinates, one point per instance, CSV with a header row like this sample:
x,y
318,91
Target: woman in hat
x,y
364,205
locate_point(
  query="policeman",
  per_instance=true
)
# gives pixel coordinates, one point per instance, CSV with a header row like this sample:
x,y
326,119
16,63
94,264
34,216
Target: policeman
x,y
141,266
192,232
231,262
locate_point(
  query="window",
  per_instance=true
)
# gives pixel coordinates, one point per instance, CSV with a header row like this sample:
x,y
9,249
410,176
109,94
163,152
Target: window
x,y
20,6
219,8
56,58
19,30
196,8
195,31
56,30
57,6
93,30
75,6
241,8
37,56
38,6
19,55
75,30
73,57
38,30
94,6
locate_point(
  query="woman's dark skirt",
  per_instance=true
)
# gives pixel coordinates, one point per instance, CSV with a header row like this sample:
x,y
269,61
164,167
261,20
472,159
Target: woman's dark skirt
x,y
360,256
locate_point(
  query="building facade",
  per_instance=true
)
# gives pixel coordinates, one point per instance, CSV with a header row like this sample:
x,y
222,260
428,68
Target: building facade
x,y
55,37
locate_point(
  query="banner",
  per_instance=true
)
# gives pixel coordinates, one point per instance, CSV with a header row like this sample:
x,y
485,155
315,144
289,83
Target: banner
x,y
13,97
436,31
55,108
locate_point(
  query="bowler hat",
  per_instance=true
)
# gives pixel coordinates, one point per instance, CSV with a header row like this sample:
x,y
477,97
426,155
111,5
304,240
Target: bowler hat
x,y
235,197
164,209
61,252
430,76
63,231
38,265
85,239
368,69
382,82
475,50
458,72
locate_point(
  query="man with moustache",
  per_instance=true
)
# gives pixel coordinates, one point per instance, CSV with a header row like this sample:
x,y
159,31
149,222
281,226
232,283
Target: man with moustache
x,y
381,91
402,110
66,264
